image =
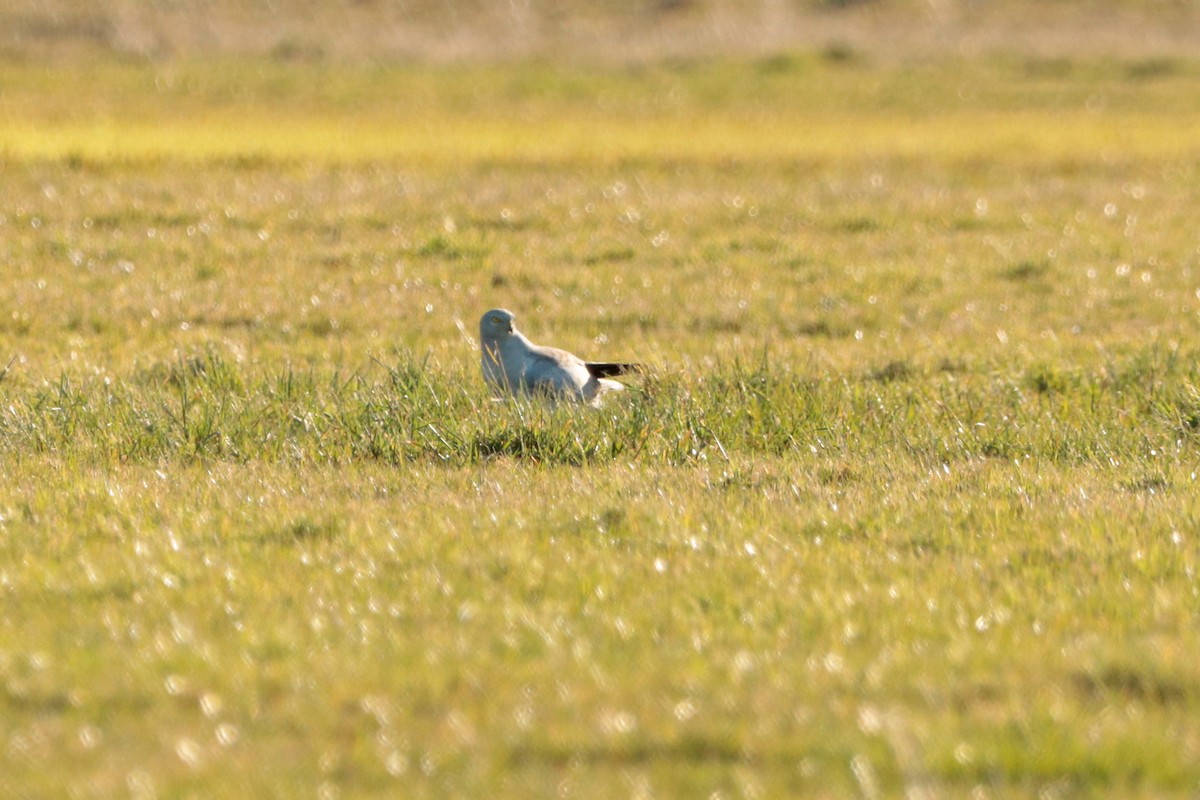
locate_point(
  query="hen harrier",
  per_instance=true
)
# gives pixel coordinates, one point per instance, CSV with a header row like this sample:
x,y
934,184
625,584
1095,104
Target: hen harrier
x,y
514,365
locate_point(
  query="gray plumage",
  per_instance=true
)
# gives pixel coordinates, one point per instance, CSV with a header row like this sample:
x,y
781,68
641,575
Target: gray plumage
x,y
514,365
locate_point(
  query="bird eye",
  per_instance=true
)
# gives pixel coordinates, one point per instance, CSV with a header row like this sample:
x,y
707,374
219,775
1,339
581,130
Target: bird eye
x,y
497,320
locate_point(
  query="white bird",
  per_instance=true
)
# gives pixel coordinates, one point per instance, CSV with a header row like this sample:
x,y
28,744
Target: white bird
x,y
514,365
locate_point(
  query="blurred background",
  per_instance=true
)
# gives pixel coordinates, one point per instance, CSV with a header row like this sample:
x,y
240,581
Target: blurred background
x,y
618,30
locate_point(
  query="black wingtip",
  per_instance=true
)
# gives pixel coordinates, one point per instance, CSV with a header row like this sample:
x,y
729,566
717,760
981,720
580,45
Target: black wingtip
x,y
611,369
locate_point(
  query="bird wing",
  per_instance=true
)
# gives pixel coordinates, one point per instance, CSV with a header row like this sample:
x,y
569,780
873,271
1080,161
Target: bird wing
x,y
529,368
548,368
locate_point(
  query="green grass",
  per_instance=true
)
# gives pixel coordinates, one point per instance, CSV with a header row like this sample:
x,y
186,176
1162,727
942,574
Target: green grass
x,y
906,502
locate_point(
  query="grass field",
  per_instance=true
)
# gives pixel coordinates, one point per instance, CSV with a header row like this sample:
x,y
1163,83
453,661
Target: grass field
x,y
906,505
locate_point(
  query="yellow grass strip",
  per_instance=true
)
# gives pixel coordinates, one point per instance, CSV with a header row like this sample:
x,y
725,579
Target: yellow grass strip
x,y
1030,136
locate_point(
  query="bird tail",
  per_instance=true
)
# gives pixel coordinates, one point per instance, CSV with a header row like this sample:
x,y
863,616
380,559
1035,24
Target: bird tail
x,y
611,369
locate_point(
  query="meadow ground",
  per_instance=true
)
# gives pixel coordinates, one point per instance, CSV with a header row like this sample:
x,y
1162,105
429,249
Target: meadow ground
x,y
907,502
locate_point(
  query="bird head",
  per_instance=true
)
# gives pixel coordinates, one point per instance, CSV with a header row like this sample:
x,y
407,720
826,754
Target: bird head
x,y
496,325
